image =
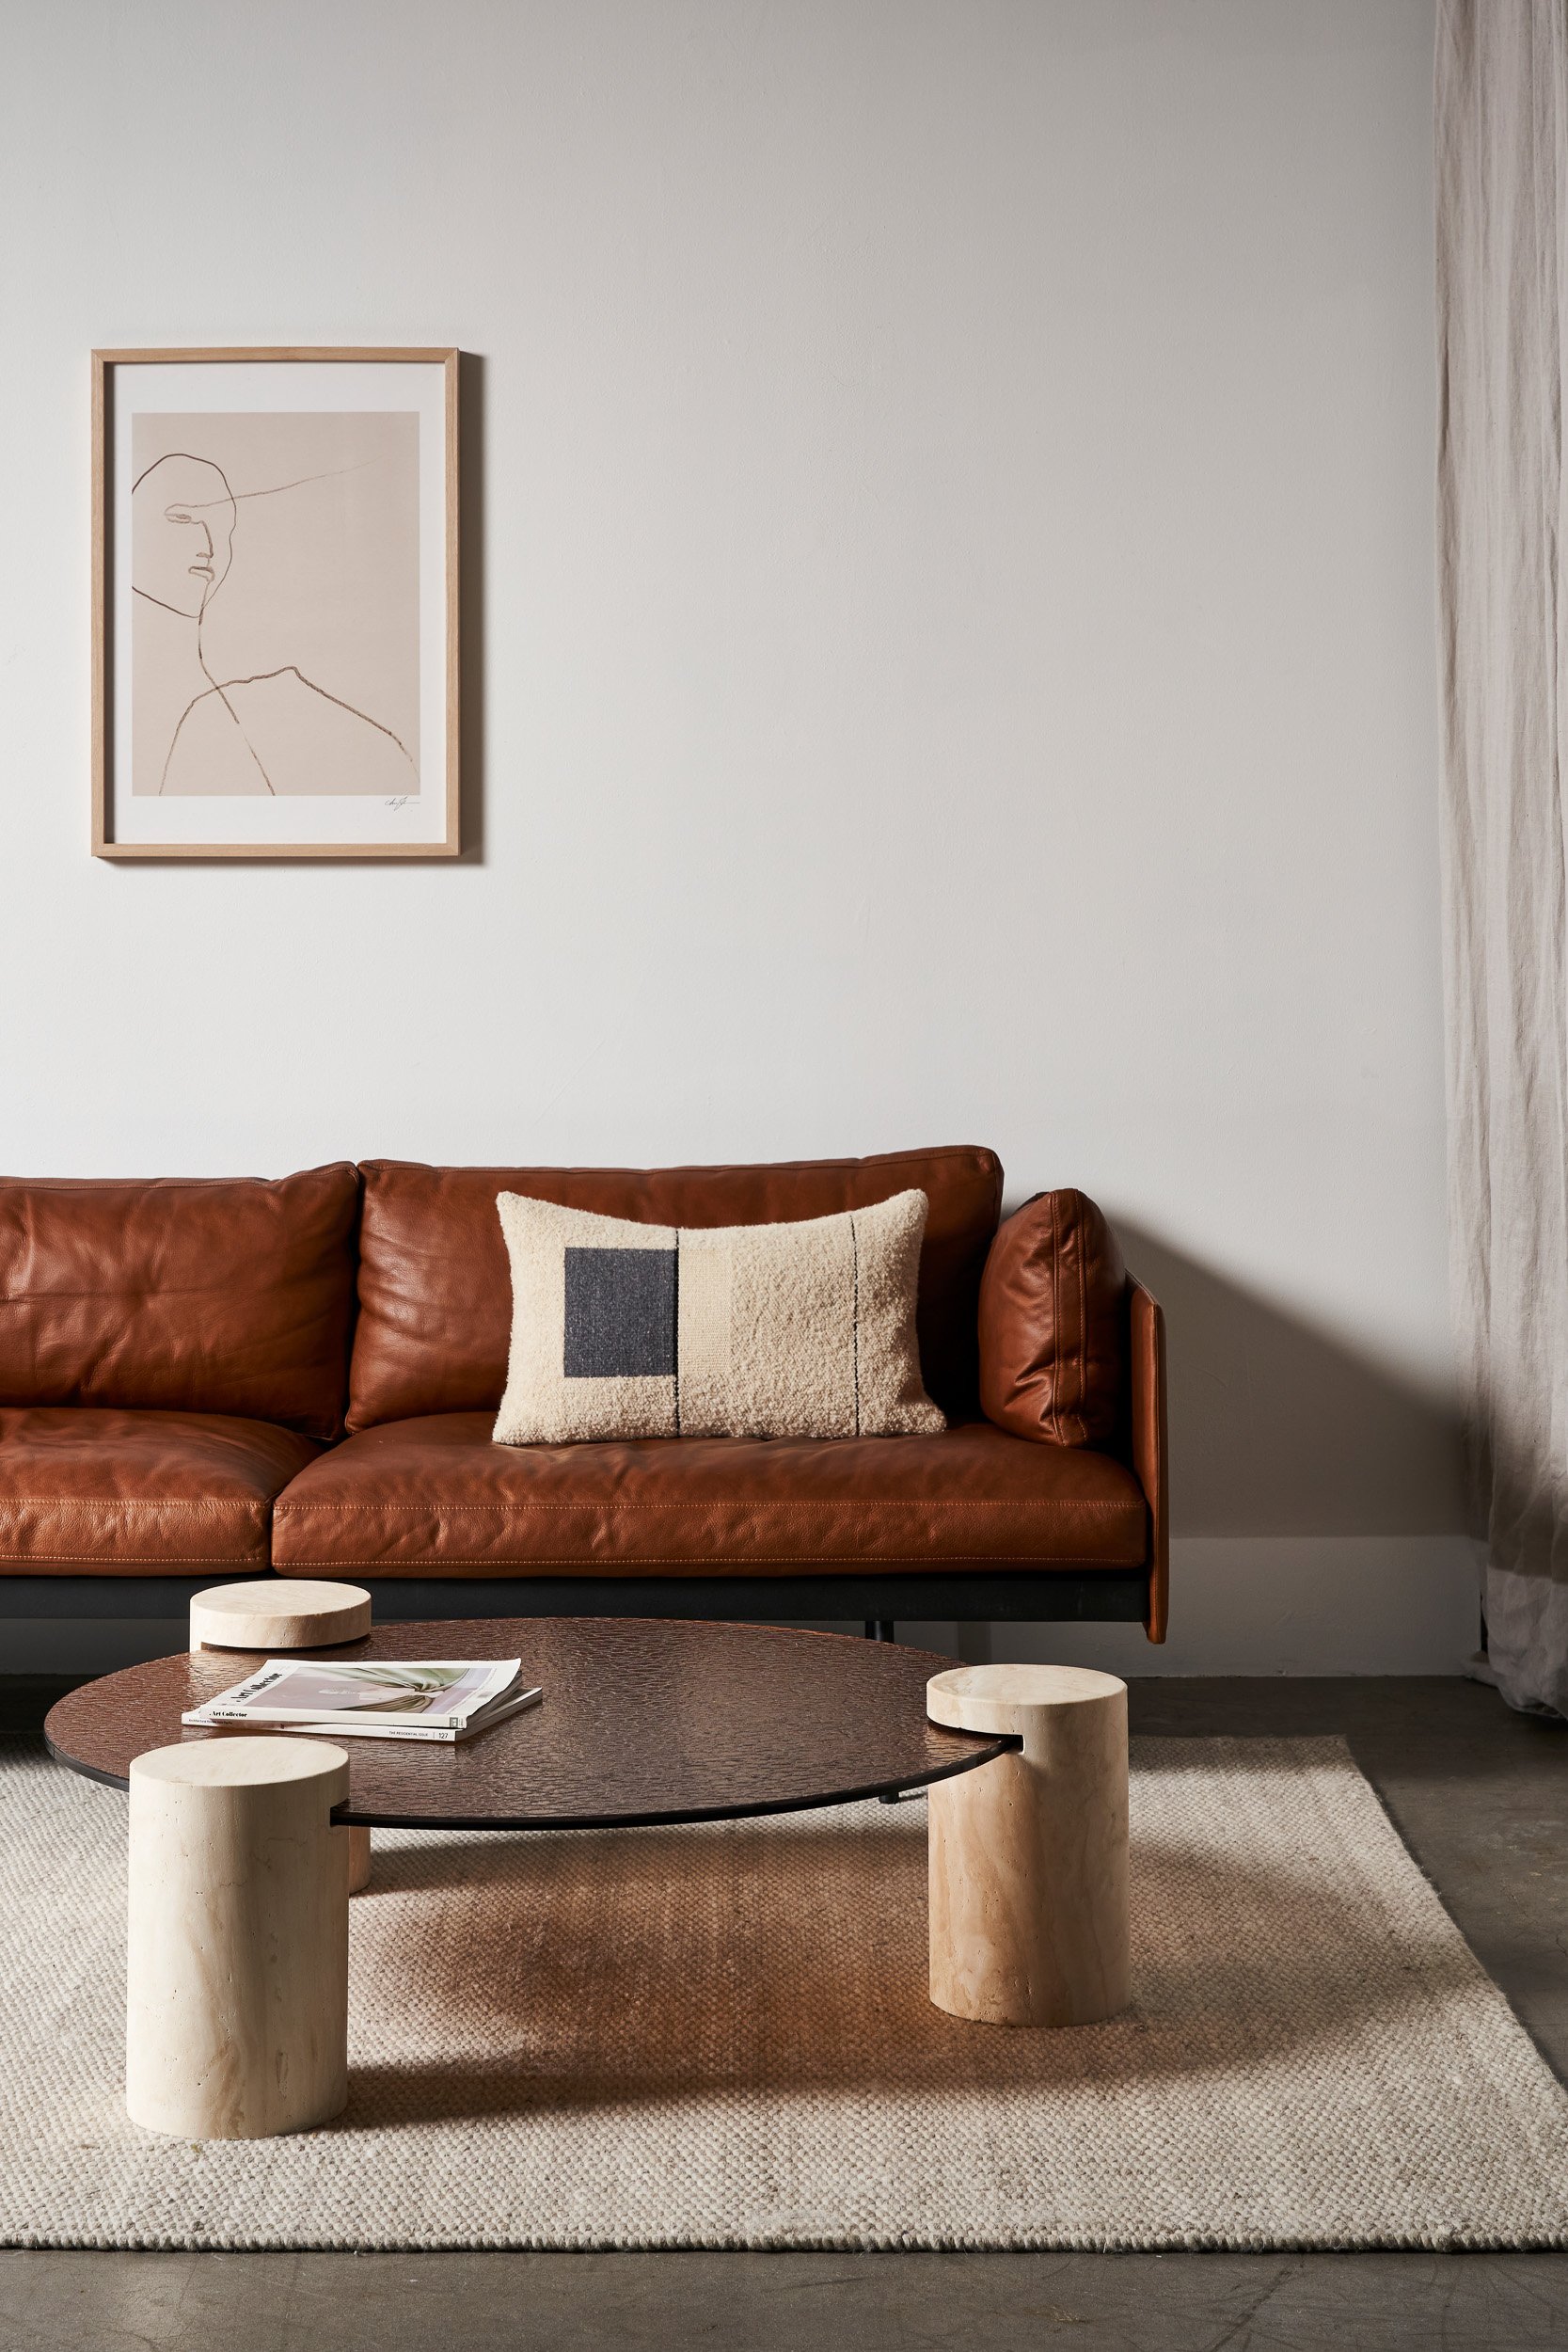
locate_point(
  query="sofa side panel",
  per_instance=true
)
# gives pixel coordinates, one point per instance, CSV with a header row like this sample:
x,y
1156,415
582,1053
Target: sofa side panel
x,y
1150,1444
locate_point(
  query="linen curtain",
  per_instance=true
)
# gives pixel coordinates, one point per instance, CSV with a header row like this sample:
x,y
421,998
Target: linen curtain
x,y
1502,304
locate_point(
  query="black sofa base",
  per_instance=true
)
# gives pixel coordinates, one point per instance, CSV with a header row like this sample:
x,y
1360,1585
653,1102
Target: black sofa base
x,y
1011,1597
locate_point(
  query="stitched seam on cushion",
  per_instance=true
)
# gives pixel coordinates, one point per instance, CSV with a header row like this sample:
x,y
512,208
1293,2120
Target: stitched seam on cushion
x,y
1065,1360
741,1561
678,1333
855,1312
116,1502
1068,1359
978,1503
1083,1332
1056,1316
137,1559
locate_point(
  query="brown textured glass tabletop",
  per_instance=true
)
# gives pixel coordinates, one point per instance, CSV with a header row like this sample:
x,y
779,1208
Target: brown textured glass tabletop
x,y
643,1719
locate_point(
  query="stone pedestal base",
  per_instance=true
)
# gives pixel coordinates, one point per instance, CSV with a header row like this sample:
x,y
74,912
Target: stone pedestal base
x,y
237,1956
1028,1855
284,1612
279,1612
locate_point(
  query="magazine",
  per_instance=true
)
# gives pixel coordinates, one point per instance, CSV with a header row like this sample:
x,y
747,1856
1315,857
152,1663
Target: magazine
x,y
393,1693
346,1726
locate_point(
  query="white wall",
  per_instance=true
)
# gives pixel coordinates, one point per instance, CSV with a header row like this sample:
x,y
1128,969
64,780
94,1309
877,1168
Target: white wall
x,y
950,573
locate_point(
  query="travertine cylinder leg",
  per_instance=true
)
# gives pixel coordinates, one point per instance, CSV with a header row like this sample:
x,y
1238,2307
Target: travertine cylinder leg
x,y
237,1954
279,1612
1028,1856
286,1613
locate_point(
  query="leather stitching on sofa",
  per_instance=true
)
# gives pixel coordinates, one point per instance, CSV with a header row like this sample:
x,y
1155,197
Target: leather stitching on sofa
x,y
735,1503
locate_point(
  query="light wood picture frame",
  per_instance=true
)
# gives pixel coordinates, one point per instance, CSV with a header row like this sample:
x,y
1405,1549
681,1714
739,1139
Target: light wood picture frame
x,y
312,708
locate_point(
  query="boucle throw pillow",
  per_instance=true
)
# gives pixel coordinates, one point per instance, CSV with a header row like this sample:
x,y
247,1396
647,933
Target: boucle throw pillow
x,y
626,1330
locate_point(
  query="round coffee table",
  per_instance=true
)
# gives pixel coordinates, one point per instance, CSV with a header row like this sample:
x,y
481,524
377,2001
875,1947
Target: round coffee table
x,y
643,1721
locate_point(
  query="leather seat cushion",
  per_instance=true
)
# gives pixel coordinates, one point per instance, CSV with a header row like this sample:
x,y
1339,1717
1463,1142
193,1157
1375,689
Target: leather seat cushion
x,y
417,1498
119,1493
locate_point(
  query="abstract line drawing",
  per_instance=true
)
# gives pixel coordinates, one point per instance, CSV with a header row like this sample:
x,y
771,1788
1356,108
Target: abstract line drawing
x,y
213,711
276,588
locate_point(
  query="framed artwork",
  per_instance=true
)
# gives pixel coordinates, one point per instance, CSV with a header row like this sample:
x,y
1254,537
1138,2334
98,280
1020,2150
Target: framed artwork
x,y
274,604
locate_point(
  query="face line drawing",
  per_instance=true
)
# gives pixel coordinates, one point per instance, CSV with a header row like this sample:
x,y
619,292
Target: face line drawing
x,y
184,513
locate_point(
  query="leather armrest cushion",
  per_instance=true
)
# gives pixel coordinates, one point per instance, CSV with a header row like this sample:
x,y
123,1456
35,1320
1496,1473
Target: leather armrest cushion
x,y
1052,1324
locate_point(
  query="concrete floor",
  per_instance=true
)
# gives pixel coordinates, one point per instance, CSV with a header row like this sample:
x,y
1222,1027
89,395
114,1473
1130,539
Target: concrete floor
x,y
1481,1796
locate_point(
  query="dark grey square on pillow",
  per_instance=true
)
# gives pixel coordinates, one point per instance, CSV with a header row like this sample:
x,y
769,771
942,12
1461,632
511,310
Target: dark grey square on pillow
x,y
619,1320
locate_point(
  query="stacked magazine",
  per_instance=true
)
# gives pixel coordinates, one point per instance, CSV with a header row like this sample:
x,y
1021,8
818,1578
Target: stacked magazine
x,y
381,1698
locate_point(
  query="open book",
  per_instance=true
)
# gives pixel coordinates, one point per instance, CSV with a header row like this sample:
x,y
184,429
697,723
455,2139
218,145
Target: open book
x,y
386,1698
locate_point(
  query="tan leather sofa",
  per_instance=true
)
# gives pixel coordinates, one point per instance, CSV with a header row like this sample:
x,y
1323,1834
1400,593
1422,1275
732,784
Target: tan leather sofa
x,y
210,1378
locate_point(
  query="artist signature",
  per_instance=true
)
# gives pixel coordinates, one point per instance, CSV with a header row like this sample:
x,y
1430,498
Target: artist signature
x,y
401,801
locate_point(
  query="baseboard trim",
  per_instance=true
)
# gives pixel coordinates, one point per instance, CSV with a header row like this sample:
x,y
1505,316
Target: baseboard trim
x,y
1291,1605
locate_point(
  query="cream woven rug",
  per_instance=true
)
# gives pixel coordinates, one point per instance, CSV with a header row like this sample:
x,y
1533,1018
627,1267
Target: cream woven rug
x,y
721,2037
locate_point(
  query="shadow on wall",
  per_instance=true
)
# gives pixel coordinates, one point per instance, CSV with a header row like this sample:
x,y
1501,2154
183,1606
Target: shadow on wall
x,y
1276,1429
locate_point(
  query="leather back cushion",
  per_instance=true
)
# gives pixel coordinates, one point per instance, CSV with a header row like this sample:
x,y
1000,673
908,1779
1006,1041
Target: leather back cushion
x,y
435,1296
1054,1324
225,1295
